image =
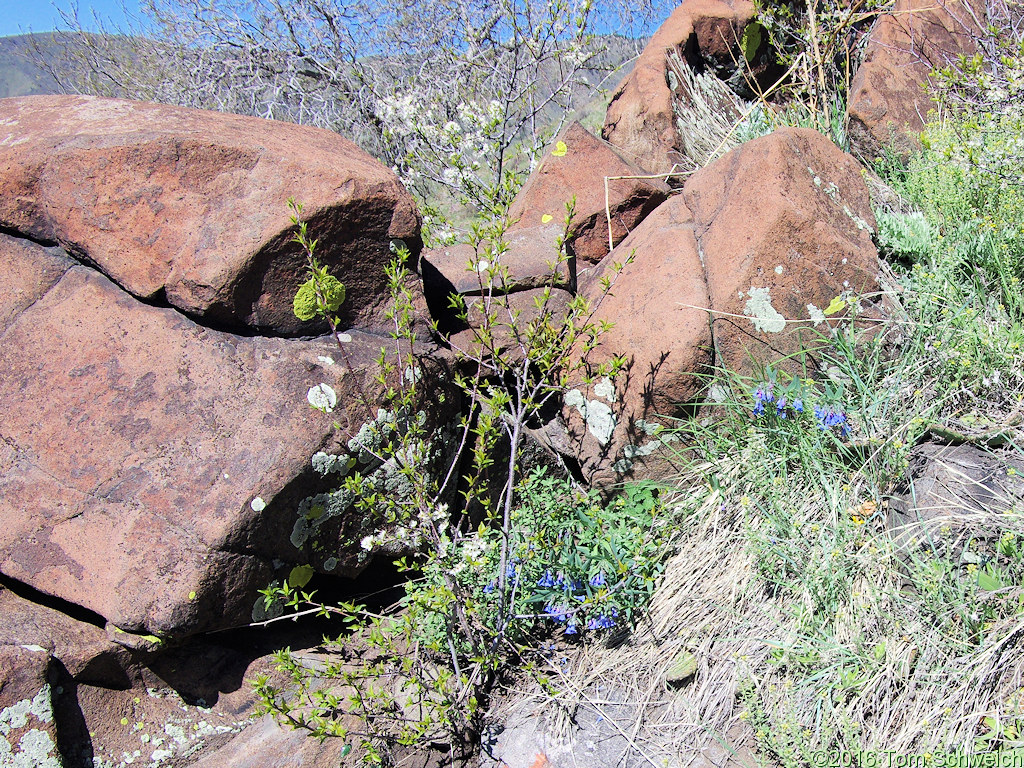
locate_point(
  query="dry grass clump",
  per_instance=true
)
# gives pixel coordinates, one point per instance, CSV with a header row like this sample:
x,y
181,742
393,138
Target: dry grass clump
x,y
809,627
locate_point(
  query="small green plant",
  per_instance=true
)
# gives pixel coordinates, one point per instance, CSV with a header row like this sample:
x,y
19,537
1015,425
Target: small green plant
x,y
576,563
908,237
480,594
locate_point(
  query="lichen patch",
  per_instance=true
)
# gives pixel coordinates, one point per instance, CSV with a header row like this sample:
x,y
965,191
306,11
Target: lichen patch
x,y
759,309
598,416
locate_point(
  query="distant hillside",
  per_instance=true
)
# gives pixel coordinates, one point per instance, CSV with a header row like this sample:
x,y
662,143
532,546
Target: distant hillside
x,y
19,75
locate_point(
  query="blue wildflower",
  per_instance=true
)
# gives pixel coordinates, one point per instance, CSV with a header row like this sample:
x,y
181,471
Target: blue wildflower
x,y
489,588
570,628
829,418
798,405
547,580
601,622
556,612
763,396
598,580
780,408
573,585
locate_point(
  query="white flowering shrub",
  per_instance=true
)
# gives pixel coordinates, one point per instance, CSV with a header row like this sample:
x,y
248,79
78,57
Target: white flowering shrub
x,y
458,97
498,563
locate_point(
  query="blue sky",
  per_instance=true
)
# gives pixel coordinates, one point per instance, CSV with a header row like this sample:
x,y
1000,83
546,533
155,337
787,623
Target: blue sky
x,y
18,16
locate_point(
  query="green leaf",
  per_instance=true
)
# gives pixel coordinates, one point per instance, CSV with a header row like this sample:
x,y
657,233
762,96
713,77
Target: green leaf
x,y
836,305
751,40
306,305
879,652
989,581
300,576
682,668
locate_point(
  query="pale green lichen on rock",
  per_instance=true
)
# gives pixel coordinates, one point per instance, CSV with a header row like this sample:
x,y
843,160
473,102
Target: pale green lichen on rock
x,y
599,417
35,748
316,510
16,715
605,388
373,436
328,463
631,451
759,308
649,428
322,397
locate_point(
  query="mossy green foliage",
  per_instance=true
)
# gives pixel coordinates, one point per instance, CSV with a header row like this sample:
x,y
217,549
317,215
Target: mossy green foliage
x,y
318,296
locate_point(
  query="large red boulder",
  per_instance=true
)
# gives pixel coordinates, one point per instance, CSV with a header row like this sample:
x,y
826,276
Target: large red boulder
x,y
574,171
641,119
190,207
889,101
152,469
657,307
784,227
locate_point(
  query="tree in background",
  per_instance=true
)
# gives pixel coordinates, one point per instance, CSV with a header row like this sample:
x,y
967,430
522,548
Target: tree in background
x,y
458,96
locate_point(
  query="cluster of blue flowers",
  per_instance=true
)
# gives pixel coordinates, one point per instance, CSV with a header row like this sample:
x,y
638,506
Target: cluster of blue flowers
x,y
564,612
573,589
604,621
764,398
829,418
767,402
510,576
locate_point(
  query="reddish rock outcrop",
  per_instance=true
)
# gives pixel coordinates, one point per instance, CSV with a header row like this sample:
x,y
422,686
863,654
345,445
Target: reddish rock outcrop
x,y
83,649
28,731
148,464
578,173
265,744
190,206
641,119
735,273
573,170
528,261
888,100
784,227
661,328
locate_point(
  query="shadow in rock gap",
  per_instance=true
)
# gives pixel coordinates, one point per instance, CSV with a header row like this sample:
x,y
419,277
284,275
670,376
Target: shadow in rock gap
x,y
207,666
73,740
